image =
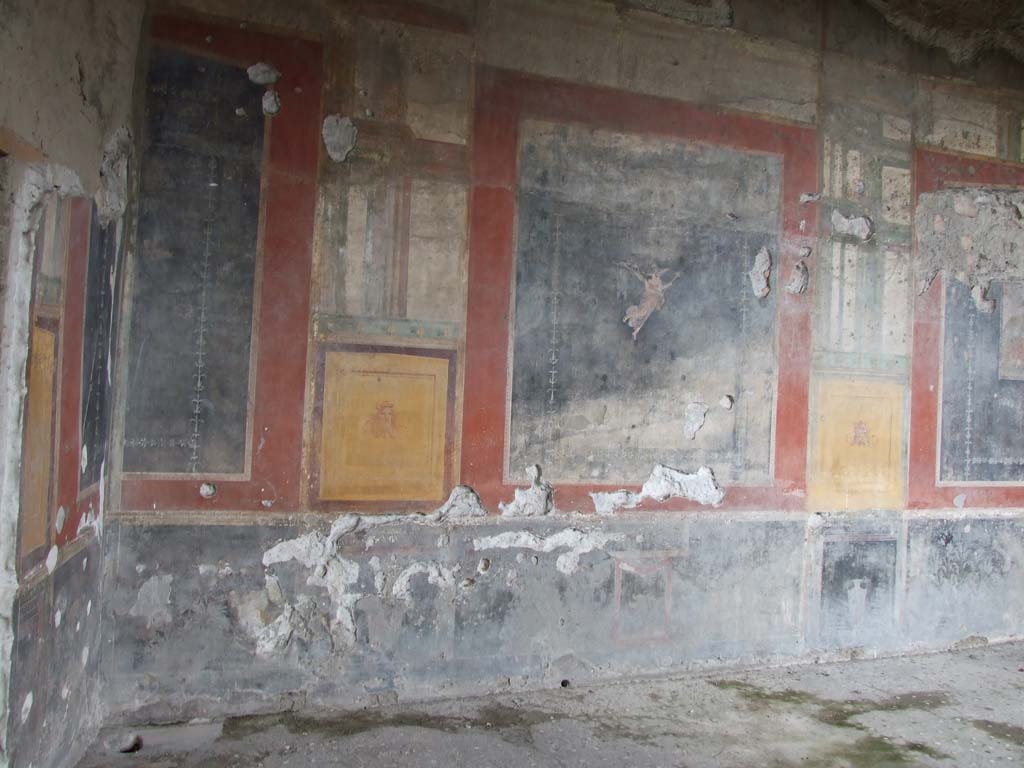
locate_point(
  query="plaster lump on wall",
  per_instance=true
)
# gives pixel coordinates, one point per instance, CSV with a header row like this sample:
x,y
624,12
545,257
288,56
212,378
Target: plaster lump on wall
x,y
534,501
463,502
798,279
663,484
263,73
859,227
760,273
653,298
976,235
271,103
339,135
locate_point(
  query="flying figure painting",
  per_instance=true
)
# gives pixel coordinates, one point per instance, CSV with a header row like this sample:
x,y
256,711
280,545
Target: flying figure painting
x,y
653,298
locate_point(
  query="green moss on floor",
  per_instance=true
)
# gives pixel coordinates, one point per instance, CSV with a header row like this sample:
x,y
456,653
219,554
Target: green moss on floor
x,y
868,751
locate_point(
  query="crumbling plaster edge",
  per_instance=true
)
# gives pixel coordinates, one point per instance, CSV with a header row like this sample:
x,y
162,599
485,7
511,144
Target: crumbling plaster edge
x,y
31,184
242,518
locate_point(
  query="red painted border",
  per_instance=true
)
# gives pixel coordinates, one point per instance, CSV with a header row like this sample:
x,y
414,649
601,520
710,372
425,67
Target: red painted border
x,y
503,99
71,342
934,170
283,322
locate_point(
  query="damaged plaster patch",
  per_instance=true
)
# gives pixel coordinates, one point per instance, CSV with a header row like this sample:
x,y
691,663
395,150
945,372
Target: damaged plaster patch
x,y
609,502
534,501
319,554
693,419
339,135
112,195
51,559
271,103
463,502
663,484
760,273
263,73
437,575
577,543
859,227
152,601
975,235
798,279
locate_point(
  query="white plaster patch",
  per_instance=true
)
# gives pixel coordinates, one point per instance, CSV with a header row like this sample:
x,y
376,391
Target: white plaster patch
x,y
608,502
798,279
274,637
319,554
263,73
51,559
152,601
693,419
271,103
339,135
760,273
859,227
665,483
463,502
534,501
577,543
437,575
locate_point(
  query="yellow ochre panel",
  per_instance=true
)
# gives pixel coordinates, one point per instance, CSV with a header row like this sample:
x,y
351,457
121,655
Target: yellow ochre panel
x,y
37,460
384,427
856,459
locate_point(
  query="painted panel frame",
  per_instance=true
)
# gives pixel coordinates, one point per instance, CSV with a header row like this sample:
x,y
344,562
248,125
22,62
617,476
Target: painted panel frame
x,y
503,100
380,502
286,242
934,170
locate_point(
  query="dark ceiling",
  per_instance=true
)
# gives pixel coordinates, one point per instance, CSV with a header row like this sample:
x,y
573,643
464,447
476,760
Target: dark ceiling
x,y
963,28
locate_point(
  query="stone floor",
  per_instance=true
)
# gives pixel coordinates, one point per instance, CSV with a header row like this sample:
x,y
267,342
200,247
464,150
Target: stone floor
x,y
964,708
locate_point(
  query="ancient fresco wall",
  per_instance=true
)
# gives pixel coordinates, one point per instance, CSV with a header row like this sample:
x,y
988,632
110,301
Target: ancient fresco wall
x,y
633,300
586,236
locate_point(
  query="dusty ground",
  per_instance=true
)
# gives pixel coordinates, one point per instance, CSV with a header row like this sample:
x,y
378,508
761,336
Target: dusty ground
x,y
954,709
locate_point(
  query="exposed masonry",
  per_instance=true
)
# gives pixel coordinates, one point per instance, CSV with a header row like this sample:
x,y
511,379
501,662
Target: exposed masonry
x,y
663,484
975,235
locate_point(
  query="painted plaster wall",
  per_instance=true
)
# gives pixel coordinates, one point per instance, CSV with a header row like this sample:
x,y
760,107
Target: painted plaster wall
x,y
201,627
65,88
197,625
